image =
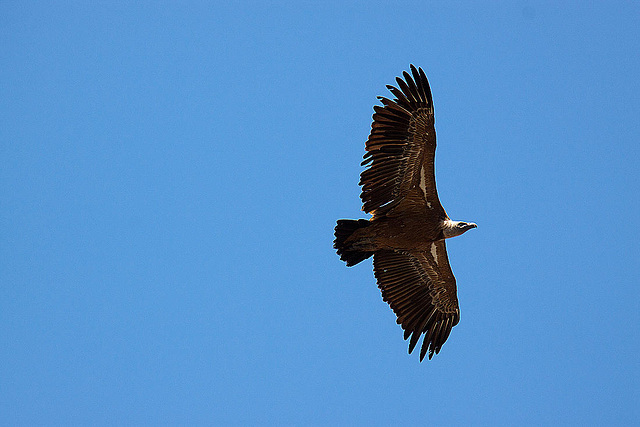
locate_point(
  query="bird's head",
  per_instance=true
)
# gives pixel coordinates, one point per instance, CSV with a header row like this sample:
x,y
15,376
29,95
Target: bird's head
x,y
456,228
465,226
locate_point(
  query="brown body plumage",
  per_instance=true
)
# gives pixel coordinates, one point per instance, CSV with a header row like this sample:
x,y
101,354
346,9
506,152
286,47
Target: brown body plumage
x,y
407,231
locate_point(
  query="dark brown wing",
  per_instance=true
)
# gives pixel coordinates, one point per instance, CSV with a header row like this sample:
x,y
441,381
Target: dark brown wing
x,y
401,147
421,290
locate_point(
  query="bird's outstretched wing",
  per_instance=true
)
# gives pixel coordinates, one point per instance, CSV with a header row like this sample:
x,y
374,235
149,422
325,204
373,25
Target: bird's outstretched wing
x,y
421,290
401,147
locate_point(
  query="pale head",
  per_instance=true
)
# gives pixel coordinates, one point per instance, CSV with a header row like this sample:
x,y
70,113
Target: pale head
x,y
456,228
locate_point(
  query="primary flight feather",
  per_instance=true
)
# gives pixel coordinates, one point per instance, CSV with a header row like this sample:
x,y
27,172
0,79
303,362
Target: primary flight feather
x,y
406,234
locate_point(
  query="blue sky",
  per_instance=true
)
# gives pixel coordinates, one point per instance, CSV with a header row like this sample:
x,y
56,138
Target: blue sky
x,y
171,176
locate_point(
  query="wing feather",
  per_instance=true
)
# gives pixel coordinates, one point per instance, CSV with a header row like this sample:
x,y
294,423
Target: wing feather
x,y
421,291
401,147
428,341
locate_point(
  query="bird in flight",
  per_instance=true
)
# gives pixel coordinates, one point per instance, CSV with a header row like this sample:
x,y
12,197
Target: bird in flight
x,y
406,234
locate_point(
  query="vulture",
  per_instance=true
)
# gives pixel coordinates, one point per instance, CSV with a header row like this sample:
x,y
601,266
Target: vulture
x,y
407,231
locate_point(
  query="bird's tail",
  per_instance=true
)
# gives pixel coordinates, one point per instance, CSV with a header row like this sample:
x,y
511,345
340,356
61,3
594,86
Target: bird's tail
x,y
350,252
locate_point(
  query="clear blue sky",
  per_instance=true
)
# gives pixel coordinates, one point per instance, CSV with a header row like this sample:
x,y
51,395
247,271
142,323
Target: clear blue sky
x,y
170,178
